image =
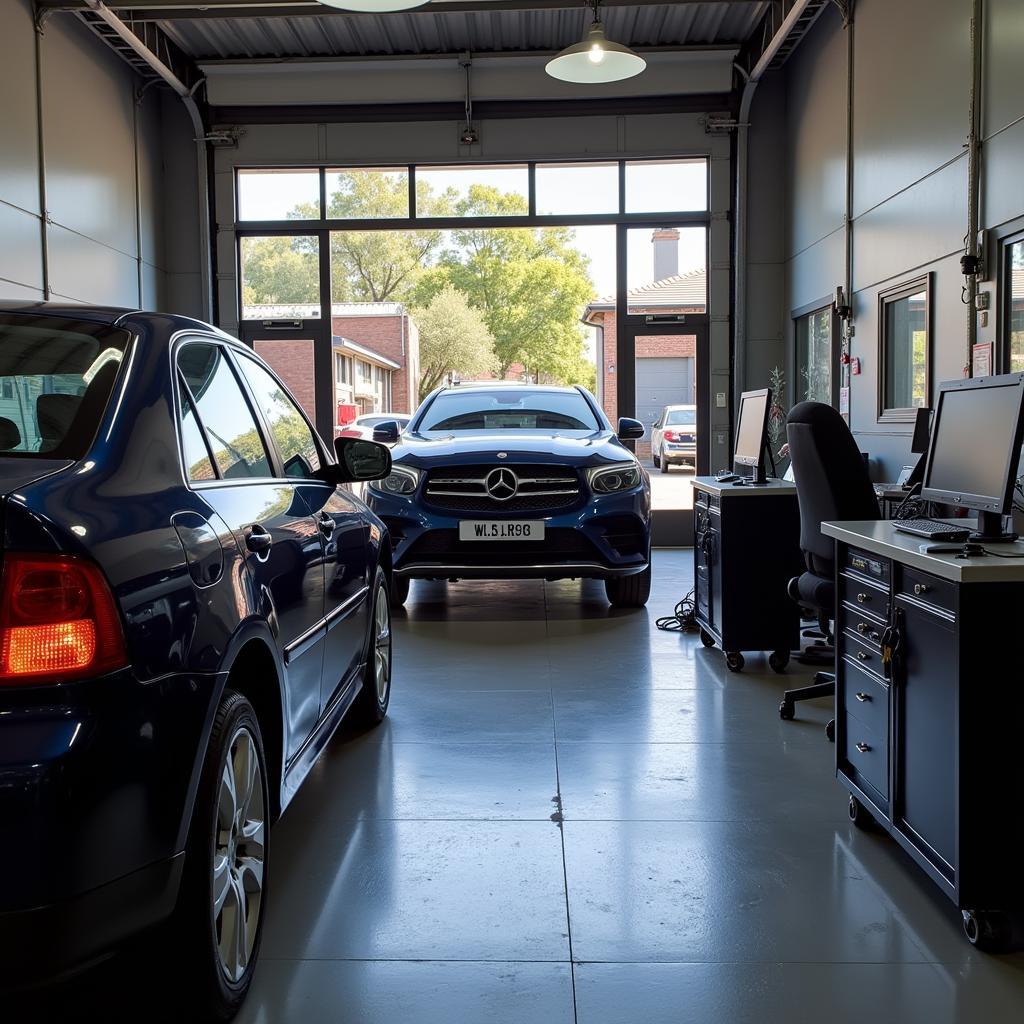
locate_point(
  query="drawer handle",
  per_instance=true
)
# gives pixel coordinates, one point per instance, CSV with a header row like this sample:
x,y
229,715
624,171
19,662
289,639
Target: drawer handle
x,y
863,598
862,697
863,747
921,588
865,630
861,656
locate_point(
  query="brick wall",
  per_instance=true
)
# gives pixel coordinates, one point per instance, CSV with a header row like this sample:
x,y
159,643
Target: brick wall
x,y
292,361
384,334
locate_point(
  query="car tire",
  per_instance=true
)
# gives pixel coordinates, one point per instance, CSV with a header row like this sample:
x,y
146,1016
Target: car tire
x,y
399,590
225,865
656,460
629,591
664,464
371,704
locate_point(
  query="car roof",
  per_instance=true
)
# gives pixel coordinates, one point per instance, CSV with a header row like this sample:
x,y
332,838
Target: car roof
x,y
111,316
510,385
669,408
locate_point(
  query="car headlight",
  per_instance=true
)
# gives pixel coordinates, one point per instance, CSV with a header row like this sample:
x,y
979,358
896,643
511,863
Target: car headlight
x,y
611,479
401,480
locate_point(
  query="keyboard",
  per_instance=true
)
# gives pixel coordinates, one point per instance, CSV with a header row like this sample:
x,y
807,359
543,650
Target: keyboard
x,y
932,529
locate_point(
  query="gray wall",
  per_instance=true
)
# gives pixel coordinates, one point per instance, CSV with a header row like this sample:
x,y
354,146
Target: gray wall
x,y
911,88
105,237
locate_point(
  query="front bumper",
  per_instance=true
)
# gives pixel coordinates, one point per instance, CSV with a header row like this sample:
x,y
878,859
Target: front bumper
x,y
601,538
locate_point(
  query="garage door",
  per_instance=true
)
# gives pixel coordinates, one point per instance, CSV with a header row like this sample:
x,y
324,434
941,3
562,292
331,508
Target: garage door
x,y
661,382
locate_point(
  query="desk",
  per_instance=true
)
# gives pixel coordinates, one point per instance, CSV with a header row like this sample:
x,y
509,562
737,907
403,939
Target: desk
x,y
928,744
746,550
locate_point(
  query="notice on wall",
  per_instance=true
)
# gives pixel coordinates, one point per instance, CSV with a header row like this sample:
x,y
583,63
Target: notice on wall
x,y
981,359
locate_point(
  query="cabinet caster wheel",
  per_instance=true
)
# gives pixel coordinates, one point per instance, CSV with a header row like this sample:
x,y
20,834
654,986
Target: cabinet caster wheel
x,y
787,711
706,638
778,660
830,731
987,930
735,661
859,814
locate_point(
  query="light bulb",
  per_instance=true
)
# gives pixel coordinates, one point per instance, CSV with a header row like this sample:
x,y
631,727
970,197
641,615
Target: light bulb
x,y
596,54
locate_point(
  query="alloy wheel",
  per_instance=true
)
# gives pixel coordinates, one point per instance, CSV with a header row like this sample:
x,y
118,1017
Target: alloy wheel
x,y
382,645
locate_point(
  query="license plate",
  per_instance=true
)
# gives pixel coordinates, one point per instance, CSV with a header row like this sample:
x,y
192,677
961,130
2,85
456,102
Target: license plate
x,y
470,529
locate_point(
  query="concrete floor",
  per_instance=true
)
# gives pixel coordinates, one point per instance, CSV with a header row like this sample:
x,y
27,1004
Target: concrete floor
x,y
572,817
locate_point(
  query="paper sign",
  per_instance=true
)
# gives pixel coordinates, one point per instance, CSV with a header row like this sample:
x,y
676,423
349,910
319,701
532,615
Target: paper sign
x,y
982,359
844,401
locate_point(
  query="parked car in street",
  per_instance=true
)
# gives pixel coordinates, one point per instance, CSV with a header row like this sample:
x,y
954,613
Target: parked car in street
x,y
508,481
363,426
674,437
189,606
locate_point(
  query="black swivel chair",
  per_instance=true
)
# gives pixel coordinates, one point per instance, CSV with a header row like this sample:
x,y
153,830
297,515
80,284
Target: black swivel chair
x,y
832,483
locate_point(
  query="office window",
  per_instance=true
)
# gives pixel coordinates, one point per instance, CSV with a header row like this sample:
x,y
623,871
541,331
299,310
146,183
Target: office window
x,y
903,383
815,371
278,194
1013,332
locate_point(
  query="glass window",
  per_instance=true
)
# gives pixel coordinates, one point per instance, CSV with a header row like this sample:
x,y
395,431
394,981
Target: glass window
x,y
657,186
278,195
197,457
291,432
364,193
473,190
518,409
57,379
1015,306
666,271
577,188
280,277
230,427
814,356
904,320
681,417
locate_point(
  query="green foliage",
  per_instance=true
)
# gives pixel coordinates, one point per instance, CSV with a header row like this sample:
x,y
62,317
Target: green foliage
x,y
453,337
279,270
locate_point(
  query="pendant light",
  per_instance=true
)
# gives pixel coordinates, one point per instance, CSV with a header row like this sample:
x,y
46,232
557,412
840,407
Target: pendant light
x,y
596,58
375,6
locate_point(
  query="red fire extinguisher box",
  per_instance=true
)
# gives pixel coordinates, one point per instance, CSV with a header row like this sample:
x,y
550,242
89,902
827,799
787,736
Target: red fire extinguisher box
x,y
346,413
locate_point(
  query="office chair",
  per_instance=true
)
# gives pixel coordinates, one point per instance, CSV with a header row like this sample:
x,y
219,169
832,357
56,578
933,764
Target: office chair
x,y
832,483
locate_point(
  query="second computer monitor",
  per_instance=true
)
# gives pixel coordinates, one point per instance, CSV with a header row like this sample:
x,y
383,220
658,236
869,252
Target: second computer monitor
x,y
752,432
922,431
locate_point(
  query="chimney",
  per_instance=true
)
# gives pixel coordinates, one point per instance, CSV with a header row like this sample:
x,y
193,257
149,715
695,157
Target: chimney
x,y
666,253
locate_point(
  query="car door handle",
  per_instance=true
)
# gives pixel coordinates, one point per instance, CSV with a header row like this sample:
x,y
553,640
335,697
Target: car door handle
x,y
258,539
326,524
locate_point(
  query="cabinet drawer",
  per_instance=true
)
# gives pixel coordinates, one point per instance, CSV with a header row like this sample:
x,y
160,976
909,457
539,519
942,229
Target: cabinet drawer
x,y
865,630
867,754
933,590
865,699
862,596
859,651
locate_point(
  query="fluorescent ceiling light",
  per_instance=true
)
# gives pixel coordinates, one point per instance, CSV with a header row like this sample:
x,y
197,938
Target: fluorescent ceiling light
x,y
375,6
595,59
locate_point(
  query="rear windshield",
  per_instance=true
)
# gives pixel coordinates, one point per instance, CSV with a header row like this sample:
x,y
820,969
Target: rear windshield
x,y
56,377
521,409
681,418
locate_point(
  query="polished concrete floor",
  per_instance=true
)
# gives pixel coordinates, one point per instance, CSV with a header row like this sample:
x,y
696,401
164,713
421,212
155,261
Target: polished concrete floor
x,y
570,816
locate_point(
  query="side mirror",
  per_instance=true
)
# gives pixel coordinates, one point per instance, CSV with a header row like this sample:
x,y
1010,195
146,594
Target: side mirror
x,y
386,432
361,460
630,430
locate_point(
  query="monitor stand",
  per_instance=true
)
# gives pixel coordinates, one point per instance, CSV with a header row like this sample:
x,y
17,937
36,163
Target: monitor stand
x,y
990,529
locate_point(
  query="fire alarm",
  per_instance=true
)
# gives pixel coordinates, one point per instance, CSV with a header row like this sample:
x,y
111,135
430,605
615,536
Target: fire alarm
x,y
855,366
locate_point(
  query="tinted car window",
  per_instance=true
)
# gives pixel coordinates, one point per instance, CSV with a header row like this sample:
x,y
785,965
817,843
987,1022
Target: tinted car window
x,y
225,415
197,458
291,432
56,377
519,409
682,417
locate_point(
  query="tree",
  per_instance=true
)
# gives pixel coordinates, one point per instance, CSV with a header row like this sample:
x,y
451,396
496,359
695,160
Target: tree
x,y
453,338
279,270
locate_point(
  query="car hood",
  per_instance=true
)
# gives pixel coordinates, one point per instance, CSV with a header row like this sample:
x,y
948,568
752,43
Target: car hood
x,y
521,446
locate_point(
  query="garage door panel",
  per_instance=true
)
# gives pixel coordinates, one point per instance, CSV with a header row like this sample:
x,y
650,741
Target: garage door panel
x,y
661,382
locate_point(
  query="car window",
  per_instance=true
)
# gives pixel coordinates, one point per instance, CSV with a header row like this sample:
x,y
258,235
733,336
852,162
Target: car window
x,y
226,418
519,409
294,439
197,457
682,418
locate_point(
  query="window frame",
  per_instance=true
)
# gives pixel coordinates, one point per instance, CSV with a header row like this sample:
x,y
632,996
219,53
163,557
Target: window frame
x,y
1003,358
802,313
887,296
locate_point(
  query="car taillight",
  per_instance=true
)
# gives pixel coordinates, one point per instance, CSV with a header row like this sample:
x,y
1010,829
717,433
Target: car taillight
x,y
58,620
670,435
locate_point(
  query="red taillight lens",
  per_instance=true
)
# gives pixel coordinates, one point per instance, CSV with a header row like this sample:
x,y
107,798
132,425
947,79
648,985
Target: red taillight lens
x,y
57,620
670,435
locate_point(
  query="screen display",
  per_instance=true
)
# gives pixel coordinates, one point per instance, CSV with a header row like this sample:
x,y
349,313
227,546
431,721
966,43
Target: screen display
x,y
750,429
974,432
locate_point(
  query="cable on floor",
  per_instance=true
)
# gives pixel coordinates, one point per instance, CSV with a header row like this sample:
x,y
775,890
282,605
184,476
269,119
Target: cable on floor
x,y
683,619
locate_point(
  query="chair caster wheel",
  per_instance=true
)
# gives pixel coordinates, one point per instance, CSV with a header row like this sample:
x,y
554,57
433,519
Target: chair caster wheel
x,y
987,930
778,660
787,711
735,661
706,638
859,814
830,731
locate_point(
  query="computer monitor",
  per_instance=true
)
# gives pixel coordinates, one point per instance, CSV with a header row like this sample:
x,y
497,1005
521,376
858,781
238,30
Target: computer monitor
x,y
919,446
975,448
752,432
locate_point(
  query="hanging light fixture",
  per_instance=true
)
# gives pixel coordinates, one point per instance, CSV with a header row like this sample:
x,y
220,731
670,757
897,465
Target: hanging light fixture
x,y
596,58
375,6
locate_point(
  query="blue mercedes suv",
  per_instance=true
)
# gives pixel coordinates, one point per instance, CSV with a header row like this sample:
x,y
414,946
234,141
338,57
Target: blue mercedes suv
x,y
506,480
189,605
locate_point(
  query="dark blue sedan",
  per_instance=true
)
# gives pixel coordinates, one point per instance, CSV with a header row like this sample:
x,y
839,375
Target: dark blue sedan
x,y
508,480
189,605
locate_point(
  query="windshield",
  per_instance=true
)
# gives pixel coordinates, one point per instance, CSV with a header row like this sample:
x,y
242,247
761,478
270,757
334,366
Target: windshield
x,y
682,418
519,409
55,380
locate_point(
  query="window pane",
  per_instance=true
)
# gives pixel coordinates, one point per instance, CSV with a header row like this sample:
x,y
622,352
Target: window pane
x,y
657,186
906,352
666,270
291,432
577,188
197,459
1016,311
814,356
230,428
365,192
280,277
278,195
472,191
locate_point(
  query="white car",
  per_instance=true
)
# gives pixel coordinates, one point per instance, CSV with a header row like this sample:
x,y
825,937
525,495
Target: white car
x,y
363,426
674,437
